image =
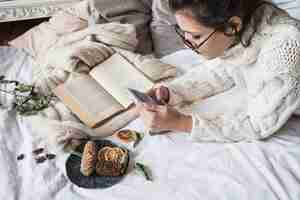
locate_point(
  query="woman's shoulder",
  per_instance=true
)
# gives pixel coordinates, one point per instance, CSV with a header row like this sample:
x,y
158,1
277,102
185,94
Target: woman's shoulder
x,y
278,27
280,36
280,52
287,26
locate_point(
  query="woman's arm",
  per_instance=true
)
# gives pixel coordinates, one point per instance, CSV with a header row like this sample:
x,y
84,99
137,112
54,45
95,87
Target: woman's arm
x,y
199,83
269,110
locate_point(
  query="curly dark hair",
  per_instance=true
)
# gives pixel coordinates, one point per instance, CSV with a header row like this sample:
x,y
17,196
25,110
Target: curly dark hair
x,y
216,14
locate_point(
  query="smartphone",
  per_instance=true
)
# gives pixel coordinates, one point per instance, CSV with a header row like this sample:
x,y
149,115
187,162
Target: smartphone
x,y
145,98
142,97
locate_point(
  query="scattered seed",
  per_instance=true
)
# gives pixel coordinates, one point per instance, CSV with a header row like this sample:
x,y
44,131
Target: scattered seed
x,y
40,159
21,157
50,156
38,151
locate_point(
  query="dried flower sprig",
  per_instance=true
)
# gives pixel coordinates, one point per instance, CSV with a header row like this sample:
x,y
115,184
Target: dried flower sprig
x,y
27,100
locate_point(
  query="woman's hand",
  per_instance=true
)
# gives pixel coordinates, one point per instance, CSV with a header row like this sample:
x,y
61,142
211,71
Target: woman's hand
x,y
161,94
158,117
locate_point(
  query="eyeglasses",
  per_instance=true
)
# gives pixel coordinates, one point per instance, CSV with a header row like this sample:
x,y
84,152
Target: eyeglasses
x,y
189,44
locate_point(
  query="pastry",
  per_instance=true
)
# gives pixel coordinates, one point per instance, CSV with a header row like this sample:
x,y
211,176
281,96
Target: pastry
x,y
89,158
111,161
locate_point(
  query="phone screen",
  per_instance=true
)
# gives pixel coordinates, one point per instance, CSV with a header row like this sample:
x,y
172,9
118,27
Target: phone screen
x,y
142,97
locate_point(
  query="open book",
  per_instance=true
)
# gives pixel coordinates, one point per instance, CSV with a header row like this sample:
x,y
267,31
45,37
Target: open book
x,y
103,94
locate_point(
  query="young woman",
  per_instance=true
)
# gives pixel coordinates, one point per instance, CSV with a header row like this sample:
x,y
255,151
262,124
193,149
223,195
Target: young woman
x,y
247,43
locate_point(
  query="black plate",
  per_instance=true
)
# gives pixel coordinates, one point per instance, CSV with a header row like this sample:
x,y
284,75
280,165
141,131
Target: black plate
x,y
93,181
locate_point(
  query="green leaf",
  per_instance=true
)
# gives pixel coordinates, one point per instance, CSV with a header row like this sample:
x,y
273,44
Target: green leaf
x,y
76,153
23,88
143,169
27,101
137,138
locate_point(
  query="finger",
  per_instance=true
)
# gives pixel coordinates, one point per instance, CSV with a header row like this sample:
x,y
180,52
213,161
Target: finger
x,y
139,106
151,107
162,94
147,117
151,92
146,113
136,110
162,109
159,94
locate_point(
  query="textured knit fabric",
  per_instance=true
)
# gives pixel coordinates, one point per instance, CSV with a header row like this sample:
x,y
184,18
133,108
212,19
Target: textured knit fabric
x,y
269,70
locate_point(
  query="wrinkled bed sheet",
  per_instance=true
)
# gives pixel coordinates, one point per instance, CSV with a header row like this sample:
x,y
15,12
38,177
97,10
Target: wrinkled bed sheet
x,y
180,168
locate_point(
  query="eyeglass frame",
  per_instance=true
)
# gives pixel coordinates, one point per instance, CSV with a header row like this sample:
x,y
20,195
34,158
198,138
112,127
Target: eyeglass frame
x,y
188,43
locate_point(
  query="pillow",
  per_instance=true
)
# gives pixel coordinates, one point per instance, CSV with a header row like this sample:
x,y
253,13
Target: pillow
x,y
137,12
165,40
40,38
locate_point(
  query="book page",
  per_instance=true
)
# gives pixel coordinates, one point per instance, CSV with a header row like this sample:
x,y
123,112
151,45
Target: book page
x,y
116,75
88,100
153,68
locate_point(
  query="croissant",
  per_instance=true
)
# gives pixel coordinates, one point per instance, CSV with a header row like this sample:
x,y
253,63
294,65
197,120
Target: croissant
x,y
89,158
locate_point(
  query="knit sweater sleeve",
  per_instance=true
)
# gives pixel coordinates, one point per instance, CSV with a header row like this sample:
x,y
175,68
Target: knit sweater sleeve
x,y
199,83
271,107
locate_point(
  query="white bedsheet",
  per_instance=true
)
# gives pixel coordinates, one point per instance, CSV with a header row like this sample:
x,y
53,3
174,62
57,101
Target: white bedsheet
x,y
181,169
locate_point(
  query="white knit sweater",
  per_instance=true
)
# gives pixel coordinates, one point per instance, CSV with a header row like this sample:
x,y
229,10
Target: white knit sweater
x,y
269,70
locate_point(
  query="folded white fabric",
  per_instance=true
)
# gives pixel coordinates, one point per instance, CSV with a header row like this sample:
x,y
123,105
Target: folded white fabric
x,y
291,6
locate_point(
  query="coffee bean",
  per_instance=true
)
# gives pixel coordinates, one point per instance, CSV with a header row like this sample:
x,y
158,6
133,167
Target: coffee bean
x,y
50,156
40,159
38,151
21,157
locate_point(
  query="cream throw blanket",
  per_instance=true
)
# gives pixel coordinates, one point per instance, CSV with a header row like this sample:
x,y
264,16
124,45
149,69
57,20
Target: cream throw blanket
x,y
78,53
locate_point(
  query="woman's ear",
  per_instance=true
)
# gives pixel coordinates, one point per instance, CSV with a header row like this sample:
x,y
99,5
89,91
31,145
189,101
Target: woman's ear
x,y
236,23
